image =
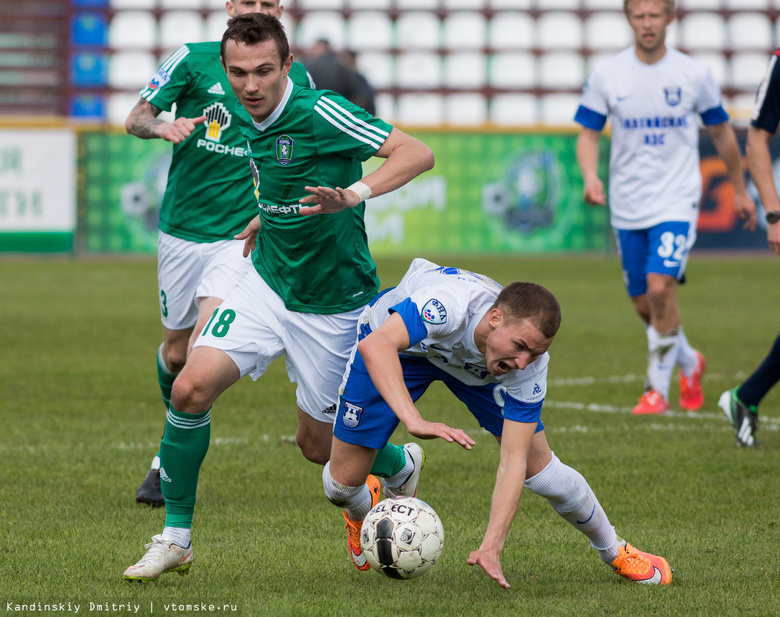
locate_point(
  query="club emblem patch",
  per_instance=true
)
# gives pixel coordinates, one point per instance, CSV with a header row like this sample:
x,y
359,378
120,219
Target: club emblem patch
x,y
434,312
673,95
352,415
284,149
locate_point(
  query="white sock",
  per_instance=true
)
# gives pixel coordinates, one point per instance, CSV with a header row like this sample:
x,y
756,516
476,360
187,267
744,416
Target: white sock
x,y
356,500
178,535
156,463
661,359
686,355
570,496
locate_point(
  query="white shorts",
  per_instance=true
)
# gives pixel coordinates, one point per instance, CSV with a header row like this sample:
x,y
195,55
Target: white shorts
x,y
188,271
254,328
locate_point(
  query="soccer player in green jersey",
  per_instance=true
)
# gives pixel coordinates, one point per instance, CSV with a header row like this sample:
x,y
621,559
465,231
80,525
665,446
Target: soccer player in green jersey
x,y
312,274
207,201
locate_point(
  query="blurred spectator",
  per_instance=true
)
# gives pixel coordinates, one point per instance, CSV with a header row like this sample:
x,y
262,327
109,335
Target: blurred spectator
x,y
330,72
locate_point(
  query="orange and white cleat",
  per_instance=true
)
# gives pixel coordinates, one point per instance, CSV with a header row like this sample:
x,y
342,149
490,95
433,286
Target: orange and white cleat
x,y
691,395
353,527
651,402
642,568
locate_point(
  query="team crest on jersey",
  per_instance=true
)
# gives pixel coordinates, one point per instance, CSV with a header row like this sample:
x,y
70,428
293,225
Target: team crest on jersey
x,y
673,95
159,80
480,372
352,415
434,312
218,118
284,149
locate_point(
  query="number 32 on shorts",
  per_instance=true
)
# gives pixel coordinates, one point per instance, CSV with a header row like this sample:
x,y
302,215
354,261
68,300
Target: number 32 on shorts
x,y
220,326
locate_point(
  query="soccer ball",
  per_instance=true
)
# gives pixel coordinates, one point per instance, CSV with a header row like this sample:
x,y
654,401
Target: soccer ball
x,y
402,537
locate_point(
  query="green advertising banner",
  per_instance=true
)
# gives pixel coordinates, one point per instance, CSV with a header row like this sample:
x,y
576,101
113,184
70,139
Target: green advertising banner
x,y
123,181
491,193
488,193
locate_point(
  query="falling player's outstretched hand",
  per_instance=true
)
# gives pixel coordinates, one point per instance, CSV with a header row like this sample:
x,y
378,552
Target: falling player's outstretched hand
x,y
421,428
489,561
325,200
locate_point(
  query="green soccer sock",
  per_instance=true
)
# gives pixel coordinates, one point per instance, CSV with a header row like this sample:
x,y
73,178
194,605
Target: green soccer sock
x,y
389,461
165,378
182,451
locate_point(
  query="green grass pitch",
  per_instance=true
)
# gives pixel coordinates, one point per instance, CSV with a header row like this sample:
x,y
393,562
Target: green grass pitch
x,y
81,418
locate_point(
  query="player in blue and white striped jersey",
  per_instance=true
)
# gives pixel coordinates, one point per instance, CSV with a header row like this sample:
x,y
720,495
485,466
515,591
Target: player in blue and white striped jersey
x,y
654,96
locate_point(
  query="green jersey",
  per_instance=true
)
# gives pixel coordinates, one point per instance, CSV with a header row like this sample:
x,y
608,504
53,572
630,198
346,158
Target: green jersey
x,y
317,264
209,192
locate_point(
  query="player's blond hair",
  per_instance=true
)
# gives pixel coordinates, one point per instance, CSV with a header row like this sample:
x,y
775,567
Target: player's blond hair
x,y
667,4
521,300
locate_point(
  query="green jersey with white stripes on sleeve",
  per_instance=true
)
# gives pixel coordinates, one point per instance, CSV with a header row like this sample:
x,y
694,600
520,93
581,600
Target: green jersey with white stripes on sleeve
x,y
317,264
209,195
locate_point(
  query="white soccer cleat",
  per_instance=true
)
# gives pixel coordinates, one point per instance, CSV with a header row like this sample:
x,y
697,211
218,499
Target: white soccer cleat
x,y
409,488
162,556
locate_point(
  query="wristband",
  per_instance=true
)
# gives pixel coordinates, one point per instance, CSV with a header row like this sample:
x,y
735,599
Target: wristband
x,y
363,190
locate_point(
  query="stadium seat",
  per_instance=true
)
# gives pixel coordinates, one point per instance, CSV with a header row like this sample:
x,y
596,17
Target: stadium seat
x,y
87,106
418,70
89,29
558,4
750,31
716,63
740,108
318,5
370,30
215,25
594,59
465,70
708,5
378,69
750,5
88,69
558,109
514,5
385,107
607,30
180,27
132,29
216,4
702,31
465,109
512,70
318,25
464,30
459,5
118,106
417,4
377,5
183,4
561,70
119,5
420,109
513,109
511,30
605,5
418,30
559,30
131,69
747,70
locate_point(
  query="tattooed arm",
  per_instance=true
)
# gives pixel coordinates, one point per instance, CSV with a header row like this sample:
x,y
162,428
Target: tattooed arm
x,y
143,122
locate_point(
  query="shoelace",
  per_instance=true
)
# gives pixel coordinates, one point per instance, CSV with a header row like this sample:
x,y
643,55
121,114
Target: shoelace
x,y
155,548
633,563
353,529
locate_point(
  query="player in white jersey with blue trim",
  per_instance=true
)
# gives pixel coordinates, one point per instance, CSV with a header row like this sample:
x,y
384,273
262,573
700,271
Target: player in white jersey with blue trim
x,y
488,345
653,95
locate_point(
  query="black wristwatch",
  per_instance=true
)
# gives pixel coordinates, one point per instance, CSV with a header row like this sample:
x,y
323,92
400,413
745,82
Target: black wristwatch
x,y
773,217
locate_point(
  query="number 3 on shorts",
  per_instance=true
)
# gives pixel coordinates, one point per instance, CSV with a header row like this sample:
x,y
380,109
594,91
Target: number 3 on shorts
x,y
222,325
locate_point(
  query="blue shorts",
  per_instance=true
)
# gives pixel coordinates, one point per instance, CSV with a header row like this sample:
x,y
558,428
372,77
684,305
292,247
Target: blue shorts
x,y
365,419
662,249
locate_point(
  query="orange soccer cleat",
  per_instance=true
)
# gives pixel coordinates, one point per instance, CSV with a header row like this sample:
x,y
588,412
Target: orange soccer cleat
x,y
353,527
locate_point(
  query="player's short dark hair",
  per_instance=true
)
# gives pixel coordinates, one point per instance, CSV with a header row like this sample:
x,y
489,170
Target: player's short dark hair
x,y
521,300
254,28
